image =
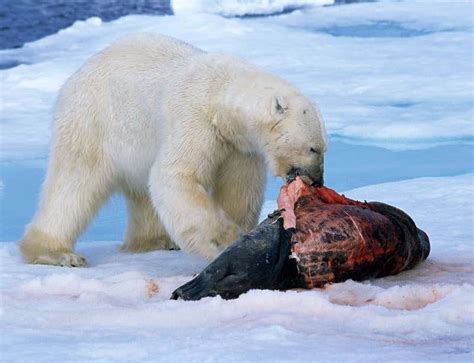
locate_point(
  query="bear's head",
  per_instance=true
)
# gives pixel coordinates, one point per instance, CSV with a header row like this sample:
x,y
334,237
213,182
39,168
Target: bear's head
x,y
265,115
293,137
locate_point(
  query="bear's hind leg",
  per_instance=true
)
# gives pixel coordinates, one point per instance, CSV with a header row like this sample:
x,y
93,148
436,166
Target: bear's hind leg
x,y
71,195
144,231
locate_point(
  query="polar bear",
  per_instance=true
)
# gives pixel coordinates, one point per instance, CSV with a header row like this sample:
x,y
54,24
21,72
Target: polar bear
x,y
185,135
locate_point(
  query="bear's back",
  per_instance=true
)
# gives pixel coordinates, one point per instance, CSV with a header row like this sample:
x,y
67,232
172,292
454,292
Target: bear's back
x,y
146,50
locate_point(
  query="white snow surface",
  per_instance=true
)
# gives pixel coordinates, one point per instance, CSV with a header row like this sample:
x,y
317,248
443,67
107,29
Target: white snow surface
x,y
104,312
393,74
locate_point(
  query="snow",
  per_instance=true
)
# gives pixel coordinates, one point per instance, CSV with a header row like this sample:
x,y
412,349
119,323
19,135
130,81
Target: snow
x,y
105,311
396,75
380,87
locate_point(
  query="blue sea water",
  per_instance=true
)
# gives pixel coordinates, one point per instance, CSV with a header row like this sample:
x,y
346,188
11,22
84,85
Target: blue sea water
x,y
27,20
347,167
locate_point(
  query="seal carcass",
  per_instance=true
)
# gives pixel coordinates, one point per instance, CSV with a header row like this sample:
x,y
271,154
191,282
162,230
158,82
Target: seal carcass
x,y
317,236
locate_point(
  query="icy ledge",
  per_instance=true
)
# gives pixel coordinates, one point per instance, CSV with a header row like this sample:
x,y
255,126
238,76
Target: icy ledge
x,y
239,8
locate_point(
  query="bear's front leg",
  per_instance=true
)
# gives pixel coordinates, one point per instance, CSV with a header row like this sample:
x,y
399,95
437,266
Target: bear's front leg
x,y
182,199
195,222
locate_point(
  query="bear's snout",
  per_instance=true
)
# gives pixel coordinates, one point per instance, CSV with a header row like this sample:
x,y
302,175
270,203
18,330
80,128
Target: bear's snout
x,y
311,176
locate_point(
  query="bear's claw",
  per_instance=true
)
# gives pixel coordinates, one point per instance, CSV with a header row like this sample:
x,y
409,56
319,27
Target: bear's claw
x,y
72,260
63,259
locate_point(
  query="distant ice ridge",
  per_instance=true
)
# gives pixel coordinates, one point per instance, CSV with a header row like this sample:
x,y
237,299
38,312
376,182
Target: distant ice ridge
x,y
230,8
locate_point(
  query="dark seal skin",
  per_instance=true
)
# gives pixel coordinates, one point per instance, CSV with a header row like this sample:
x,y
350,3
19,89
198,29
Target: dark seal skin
x,y
334,239
257,260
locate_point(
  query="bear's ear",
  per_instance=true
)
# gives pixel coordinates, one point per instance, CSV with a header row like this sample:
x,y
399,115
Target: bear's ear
x,y
279,105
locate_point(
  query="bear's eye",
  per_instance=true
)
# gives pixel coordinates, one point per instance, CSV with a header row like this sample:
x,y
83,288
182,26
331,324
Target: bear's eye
x,y
314,151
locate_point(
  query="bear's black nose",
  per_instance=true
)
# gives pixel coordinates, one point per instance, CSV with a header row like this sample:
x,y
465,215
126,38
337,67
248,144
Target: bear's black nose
x,y
292,174
315,180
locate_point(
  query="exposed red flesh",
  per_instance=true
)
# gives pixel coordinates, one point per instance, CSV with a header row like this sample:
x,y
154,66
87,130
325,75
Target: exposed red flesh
x,y
334,238
291,193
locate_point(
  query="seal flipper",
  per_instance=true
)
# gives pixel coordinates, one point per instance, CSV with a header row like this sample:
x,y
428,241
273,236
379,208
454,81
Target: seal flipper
x,y
424,243
254,261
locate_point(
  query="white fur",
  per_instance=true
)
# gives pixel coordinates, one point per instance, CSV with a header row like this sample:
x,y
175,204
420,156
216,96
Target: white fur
x,y
184,134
